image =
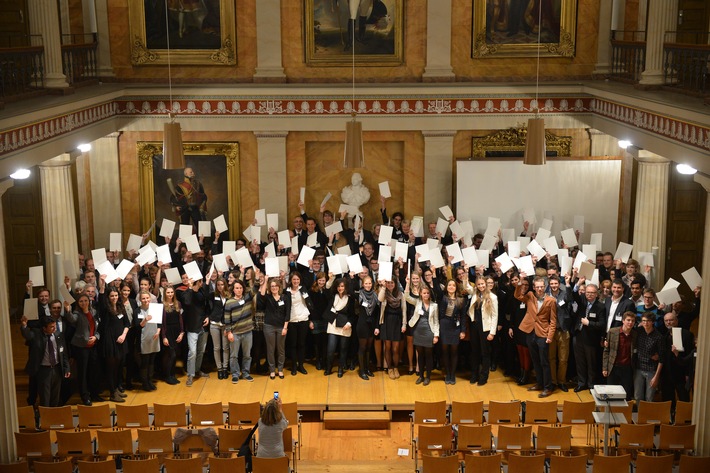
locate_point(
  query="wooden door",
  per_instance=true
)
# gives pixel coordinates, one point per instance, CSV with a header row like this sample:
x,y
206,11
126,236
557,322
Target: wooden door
x,y
692,23
14,23
24,234
686,226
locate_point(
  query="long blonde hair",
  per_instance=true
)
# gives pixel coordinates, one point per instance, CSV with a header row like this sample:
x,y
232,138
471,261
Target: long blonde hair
x,y
484,297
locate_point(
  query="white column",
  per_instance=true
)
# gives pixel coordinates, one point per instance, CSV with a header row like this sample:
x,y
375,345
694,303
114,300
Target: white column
x,y
438,41
8,395
650,217
701,402
661,18
268,42
604,38
58,215
105,188
603,144
102,32
617,14
272,173
438,171
44,21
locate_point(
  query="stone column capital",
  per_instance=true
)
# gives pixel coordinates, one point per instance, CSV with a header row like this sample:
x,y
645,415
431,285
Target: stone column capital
x,y
270,135
439,133
703,180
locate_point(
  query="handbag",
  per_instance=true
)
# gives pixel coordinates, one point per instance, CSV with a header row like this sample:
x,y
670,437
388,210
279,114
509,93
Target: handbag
x,y
245,448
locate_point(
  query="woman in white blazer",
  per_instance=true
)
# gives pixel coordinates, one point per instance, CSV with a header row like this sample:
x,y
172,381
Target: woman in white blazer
x,y
483,314
425,331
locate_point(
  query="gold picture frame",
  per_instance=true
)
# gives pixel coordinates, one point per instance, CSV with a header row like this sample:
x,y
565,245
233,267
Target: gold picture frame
x,y
221,187
511,143
502,29
203,35
379,33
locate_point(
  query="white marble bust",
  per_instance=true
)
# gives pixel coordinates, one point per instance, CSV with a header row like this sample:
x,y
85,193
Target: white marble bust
x,y
356,194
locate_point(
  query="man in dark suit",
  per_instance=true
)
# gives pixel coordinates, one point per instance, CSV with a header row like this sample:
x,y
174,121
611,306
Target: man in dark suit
x,y
66,330
589,326
619,348
617,305
47,361
678,362
539,323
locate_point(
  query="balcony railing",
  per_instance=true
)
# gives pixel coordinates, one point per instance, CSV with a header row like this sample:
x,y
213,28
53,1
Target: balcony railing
x,y
628,55
686,60
79,58
21,65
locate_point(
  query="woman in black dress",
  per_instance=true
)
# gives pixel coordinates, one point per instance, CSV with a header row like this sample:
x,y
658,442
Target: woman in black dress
x,y
172,333
340,314
369,308
411,292
517,313
393,323
318,325
130,307
452,328
114,329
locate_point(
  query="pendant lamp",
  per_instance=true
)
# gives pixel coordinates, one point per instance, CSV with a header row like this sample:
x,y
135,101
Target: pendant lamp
x,y
173,154
354,156
535,148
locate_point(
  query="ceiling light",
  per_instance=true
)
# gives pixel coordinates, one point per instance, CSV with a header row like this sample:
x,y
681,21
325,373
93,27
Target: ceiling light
x,y
535,146
173,151
21,174
354,155
685,169
84,147
623,144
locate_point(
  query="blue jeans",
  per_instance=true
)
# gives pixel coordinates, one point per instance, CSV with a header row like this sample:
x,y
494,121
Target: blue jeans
x,y
643,391
540,354
341,343
243,340
196,343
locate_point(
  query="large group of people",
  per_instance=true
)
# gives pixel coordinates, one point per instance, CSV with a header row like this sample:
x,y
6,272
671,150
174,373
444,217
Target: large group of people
x,y
544,329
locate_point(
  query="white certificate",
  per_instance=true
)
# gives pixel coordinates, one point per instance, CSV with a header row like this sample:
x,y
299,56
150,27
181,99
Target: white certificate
x,y
581,257
272,267
192,244
507,234
270,250
204,228
30,309
167,228
284,238
98,255
355,263
243,258
260,217
66,295
590,250
184,231
333,228
134,242
435,258
623,252
483,258
385,189
670,284
596,240
525,265
312,240
147,255
163,254
469,256
565,262
441,226
156,313
489,241
193,271
457,229
646,259
334,264
326,199
385,273
454,250
400,251
692,277
668,296
114,242
433,243
283,263
302,195
70,269
173,276
467,226
305,256
220,262
586,270
384,253
220,224
514,249
446,212
678,339
345,250
546,224
124,268
569,237
578,223
107,269
37,276
272,221
294,245
529,216
523,243
229,247
536,250
385,234
417,226
423,251
493,226
505,262
550,245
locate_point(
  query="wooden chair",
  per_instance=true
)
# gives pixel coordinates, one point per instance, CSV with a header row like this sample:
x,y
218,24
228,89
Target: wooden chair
x,y
514,438
132,417
269,465
243,414
540,412
683,413
183,465
33,445
507,412
74,444
635,437
654,412
290,446
425,413
17,467
677,438
143,465
192,443
100,466
432,438
472,438
169,415
611,464
231,439
526,463
466,412
56,418
94,417
26,419
654,464
206,415
581,413
114,442
693,464
154,441
226,465
290,410
554,439
446,464
483,463
64,466
565,464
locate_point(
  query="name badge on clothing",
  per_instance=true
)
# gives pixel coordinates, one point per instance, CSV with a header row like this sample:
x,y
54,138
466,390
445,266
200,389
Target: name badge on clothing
x,y
421,311
241,302
61,349
618,318
281,303
592,315
561,303
365,304
522,305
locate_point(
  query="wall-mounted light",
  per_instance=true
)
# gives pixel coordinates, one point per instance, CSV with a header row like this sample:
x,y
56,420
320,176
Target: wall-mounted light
x,y
21,174
685,169
84,147
623,144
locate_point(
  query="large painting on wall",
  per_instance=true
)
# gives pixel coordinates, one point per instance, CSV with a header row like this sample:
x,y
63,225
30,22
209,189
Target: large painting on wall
x,y
213,184
194,31
509,28
372,30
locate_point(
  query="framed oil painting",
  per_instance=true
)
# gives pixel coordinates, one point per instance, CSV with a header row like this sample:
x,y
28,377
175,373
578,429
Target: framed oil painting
x,y
215,181
197,32
371,30
509,28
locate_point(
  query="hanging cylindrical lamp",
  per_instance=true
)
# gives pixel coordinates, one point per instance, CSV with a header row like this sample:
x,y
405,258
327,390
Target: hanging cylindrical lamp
x,y
535,147
173,154
354,156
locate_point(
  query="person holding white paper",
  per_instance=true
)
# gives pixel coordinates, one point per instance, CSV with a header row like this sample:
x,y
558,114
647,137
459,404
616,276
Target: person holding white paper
x,y
42,300
172,333
318,325
238,325
312,229
679,363
589,329
392,323
84,349
411,291
452,327
340,314
299,316
114,330
220,344
483,314
649,305
277,310
149,341
425,325
560,346
631,272
395,222
368,311
193,300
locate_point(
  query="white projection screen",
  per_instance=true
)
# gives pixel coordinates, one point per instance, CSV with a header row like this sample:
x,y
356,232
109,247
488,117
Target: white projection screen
x,y
559,190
